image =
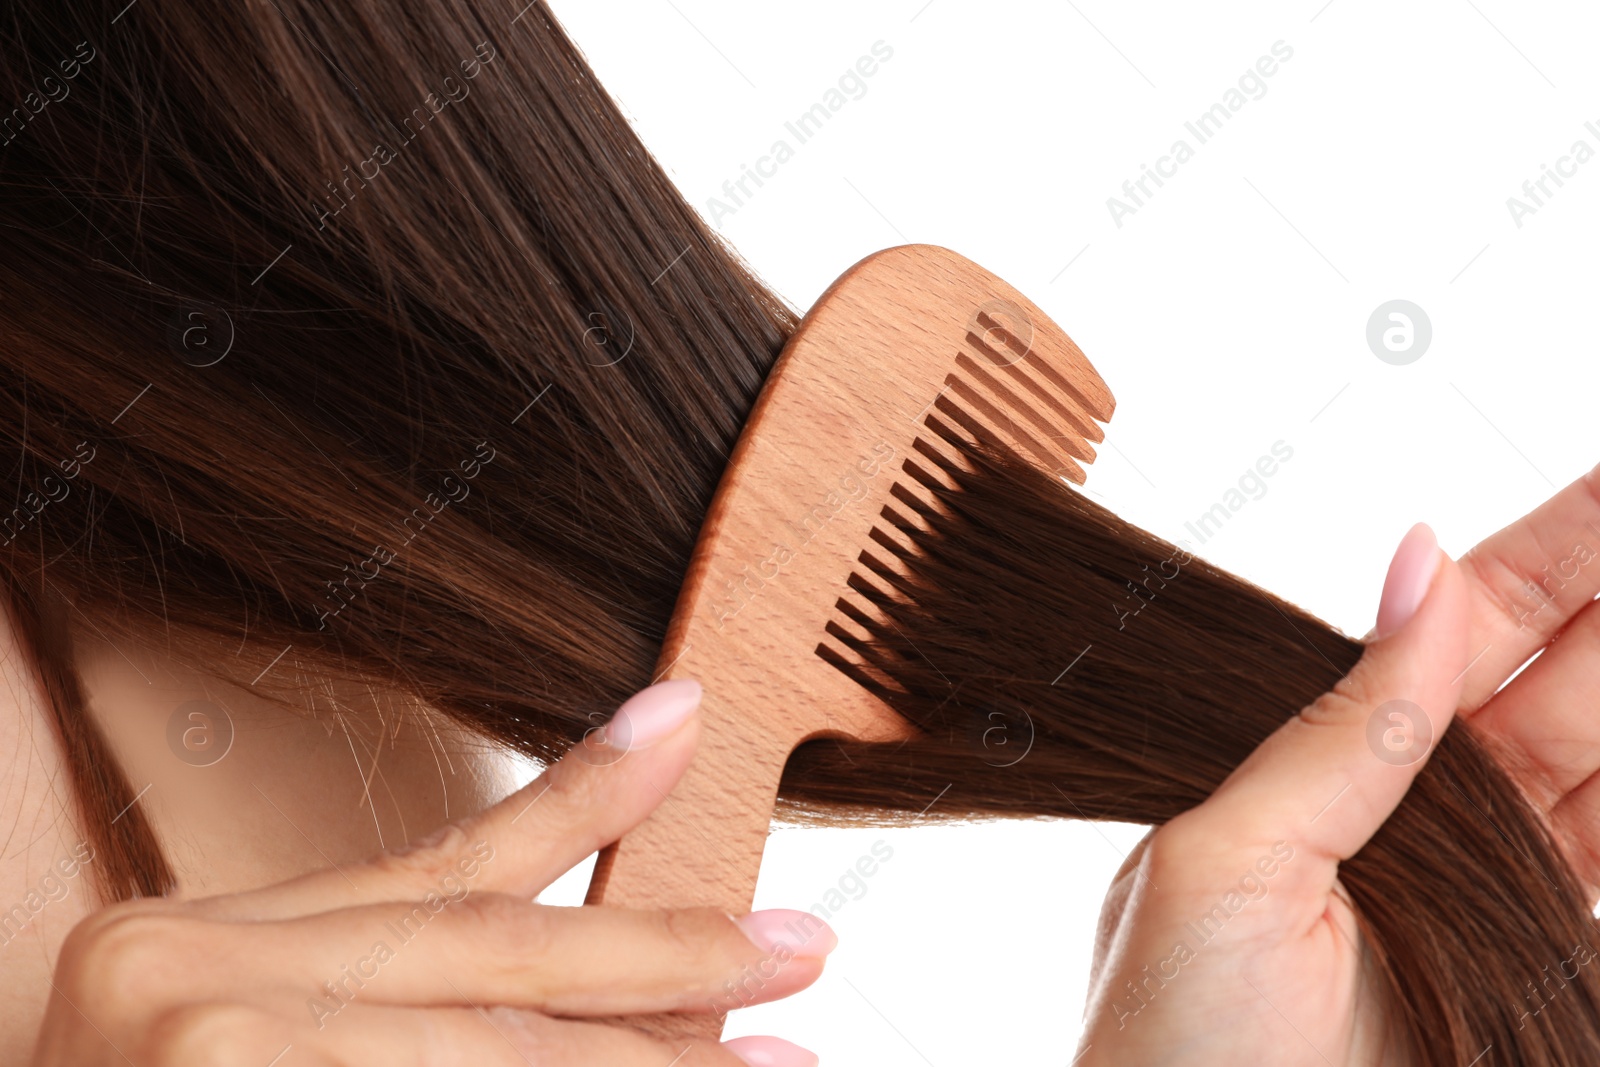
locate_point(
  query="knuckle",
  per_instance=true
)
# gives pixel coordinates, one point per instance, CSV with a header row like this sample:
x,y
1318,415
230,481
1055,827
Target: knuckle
x,y
125,956
1350,700
695,935
514,930
1207,853
424,863
537,1038
200,1034
574,785
1176,851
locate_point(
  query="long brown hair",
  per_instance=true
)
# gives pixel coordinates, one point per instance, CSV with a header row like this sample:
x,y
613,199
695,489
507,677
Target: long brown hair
x,y
370,340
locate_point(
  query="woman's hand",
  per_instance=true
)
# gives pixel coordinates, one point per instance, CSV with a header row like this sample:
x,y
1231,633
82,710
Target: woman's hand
x,y
436,954
1227,937
1531,589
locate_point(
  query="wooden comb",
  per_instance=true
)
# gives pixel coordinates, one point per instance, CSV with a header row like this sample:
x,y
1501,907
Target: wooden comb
x,y
909,349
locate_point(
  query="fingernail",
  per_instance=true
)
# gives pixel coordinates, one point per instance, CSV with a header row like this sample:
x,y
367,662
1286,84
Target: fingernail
x,y
1410,573
771,1052
802,933
653,713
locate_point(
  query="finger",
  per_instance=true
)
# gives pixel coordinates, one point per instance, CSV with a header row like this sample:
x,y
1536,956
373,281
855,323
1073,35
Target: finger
x,y
1327,779
1548,713
600,790
360,1034
586,961
496,1036
1527,581
1573,820
489,948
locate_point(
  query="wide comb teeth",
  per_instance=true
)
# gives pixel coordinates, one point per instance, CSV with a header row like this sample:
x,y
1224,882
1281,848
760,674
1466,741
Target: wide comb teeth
x,y
1002,393
1008,387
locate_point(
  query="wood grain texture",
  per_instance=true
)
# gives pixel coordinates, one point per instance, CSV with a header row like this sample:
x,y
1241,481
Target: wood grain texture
x,y
908,334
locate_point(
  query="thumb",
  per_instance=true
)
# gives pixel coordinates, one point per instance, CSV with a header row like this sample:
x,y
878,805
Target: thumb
x,y
1329,777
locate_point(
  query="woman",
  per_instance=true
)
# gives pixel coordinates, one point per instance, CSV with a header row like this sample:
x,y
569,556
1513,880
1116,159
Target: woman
x,y
365,381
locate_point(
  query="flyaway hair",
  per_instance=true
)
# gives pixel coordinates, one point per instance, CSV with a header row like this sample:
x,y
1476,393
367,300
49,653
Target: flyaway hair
x,y
368,340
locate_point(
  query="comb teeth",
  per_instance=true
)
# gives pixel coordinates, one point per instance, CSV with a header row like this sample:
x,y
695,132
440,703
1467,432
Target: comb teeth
x,y
1001,393
909,341
1005,387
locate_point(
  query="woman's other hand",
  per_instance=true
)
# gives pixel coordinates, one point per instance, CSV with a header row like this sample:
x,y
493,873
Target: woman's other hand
x,y
1227,937
437,953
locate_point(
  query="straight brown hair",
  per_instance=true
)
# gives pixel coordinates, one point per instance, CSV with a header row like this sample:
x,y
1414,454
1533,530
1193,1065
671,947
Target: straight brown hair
x,y
362,340
1178,671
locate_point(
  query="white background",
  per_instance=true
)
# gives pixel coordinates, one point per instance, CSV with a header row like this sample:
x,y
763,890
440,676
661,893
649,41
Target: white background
x,y
1226,314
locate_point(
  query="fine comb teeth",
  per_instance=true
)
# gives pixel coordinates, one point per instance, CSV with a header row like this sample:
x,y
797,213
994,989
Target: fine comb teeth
x,y
910,352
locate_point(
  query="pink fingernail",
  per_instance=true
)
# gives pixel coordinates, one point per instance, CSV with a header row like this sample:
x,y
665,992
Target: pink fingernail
x,y
771,1052
1411,572
802,933
653,713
